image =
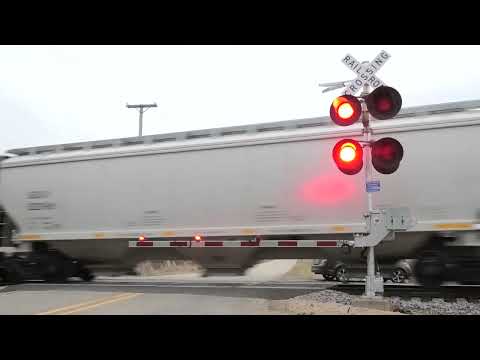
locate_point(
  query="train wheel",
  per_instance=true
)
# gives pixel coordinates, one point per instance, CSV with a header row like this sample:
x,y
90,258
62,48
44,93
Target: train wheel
x,y
399,276
86,275
12,273
470,282
13,278
430,268
3,276
55,270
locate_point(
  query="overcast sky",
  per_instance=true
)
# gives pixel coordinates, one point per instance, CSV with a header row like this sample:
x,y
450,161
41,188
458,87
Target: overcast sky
x,y
61,94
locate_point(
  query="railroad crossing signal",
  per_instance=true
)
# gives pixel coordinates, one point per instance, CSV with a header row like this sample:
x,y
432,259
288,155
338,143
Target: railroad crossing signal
x,y
348,155
382,103
366,72
386,155
345,110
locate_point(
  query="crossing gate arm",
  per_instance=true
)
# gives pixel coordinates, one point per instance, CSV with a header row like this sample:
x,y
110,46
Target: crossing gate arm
x,y
241,244
381,225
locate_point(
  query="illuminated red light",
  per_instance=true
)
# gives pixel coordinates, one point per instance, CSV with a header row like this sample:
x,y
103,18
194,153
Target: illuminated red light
x,y
348,152
198,237
345,110
141,238
348,156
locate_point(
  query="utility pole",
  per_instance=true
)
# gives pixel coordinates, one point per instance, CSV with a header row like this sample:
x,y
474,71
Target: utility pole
x,y
141,109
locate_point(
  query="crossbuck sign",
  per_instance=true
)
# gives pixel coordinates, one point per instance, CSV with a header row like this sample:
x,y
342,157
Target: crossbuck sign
x,y
365,71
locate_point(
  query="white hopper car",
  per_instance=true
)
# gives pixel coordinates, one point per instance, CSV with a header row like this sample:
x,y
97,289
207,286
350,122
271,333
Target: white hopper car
x,y
277,181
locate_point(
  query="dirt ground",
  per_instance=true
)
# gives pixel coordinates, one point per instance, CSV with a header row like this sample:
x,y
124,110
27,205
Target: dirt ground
x,y
302,307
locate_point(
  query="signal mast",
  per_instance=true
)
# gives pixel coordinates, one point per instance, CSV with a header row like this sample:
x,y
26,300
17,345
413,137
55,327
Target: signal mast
x,y
350,155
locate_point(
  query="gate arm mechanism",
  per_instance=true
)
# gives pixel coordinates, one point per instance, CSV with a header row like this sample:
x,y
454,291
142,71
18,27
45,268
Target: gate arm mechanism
x,y
382,225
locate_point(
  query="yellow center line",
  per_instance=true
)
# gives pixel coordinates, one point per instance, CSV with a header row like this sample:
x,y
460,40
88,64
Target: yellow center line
x,y
74,306
89,304
126,297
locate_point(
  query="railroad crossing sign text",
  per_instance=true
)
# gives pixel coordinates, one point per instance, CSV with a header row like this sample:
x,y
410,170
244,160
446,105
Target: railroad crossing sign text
x,y
365,71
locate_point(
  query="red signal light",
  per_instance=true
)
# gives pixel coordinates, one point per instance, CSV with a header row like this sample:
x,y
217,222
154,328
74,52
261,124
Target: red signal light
x,y
141,238
386,155
345,110
384,102
348,155
197,237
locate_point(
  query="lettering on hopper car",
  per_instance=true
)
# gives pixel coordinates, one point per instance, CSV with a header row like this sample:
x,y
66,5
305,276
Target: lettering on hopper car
x,y
40,218
38,194
41,206
153,217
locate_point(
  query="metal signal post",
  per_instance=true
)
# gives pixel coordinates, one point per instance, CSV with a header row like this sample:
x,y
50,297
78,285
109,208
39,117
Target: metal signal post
x,y
374,282
367,131
384,155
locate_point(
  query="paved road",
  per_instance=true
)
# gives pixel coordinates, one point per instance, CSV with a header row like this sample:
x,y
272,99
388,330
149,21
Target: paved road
x,y
182,294
168,294
117,296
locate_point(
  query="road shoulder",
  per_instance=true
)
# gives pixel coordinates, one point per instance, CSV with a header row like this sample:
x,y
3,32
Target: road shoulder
x,y
306,307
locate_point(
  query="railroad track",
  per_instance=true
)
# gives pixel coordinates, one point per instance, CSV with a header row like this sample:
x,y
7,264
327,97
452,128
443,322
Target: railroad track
x,y
448,293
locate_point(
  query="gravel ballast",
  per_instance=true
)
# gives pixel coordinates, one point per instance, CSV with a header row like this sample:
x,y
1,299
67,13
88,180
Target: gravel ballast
x,y
405,306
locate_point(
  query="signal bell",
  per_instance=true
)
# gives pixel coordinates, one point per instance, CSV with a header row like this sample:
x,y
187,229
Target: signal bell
x,y
386,155
348,155
384,102
345,110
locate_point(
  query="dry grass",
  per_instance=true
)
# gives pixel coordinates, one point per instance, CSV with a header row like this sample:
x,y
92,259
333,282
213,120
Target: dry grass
x,y
152,268
301,271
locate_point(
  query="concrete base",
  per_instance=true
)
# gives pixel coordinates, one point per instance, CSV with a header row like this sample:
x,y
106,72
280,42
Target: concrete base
x,y
374,302
373,285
